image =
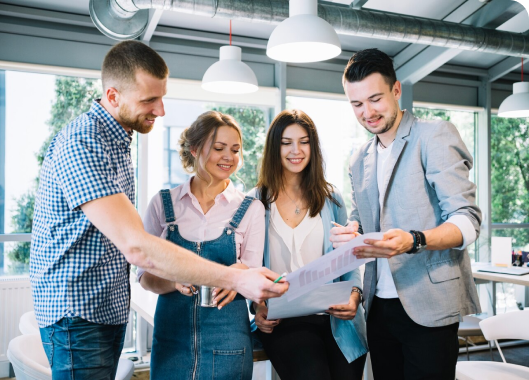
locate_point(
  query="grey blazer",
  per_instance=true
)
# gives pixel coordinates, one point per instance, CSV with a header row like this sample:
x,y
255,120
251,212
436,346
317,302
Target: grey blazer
x,y
428,184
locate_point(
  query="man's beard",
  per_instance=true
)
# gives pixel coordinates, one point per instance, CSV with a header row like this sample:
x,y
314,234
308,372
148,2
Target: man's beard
x,y
389,124
136,124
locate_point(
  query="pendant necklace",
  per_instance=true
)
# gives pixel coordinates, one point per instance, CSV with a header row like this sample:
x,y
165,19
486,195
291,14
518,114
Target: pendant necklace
x,y
382,145
298,211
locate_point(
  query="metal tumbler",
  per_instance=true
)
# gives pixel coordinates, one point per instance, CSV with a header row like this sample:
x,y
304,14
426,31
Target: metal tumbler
x,y
206,296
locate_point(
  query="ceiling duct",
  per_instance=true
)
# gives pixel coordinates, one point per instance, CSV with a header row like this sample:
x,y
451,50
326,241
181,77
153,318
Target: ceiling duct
x,y
127,19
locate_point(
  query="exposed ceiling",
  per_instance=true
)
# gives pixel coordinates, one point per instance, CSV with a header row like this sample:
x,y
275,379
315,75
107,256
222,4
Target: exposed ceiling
x,y
504,15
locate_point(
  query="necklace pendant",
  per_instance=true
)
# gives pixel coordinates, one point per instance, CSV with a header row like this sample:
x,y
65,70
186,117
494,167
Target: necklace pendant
x,y
298,211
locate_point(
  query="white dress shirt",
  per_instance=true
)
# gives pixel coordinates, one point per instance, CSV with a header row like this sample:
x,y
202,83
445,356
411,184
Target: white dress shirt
x,y
292,248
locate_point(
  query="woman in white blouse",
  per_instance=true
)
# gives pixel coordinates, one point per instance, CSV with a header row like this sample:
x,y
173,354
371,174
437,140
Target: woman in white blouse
x,y
300,206
209,216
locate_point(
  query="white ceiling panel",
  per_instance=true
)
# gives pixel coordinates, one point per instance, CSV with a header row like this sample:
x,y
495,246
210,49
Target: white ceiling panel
x,y
68,6
477,59
434,9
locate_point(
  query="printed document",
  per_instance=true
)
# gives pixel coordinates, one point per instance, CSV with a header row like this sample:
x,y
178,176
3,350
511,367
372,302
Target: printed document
x,y
317,301
327,267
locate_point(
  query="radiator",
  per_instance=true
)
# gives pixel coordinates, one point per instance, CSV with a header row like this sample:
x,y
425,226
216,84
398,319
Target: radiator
x,y
15,300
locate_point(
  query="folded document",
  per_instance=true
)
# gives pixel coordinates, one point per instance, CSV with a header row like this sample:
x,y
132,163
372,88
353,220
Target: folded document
x,y
316,301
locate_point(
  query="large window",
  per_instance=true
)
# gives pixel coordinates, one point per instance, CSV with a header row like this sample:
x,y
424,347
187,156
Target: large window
x,y
37,106
340,135
165,168
510,179
510,195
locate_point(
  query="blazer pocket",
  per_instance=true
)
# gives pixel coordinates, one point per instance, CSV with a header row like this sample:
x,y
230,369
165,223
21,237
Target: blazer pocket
x,y
444,271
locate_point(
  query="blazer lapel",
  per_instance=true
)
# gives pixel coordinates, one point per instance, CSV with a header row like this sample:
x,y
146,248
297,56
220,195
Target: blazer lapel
x,y
371,187
396,150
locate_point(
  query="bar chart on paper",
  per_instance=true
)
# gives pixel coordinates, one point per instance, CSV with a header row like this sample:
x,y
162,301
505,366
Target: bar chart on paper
x,y
327,267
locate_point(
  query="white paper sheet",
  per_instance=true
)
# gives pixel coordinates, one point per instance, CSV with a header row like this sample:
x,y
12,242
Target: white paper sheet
x,y
317,301
501,251
327,267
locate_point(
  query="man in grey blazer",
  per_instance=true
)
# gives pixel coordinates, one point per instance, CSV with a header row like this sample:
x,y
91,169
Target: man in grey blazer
x,y
410,181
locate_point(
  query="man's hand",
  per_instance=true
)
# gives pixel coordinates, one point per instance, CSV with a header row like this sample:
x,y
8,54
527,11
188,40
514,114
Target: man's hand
x,y
261,313
258,285
347,311
395,242
341,235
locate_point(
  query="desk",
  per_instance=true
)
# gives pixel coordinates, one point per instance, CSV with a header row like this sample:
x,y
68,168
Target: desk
x,y
498,277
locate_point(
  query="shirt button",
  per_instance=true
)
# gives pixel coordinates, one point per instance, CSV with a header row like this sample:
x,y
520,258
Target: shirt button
x,y
228,232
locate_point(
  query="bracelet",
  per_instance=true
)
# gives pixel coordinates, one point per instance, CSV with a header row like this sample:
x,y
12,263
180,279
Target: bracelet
x,y
359,291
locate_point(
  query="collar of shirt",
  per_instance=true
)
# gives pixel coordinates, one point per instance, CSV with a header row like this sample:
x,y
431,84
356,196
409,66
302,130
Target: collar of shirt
x,y
116,131
228,194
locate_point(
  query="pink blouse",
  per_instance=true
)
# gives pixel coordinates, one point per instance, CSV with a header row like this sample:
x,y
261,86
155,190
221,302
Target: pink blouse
x,y
196,226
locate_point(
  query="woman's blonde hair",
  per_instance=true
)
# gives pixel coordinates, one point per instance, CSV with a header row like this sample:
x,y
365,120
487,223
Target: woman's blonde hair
x,y
195,137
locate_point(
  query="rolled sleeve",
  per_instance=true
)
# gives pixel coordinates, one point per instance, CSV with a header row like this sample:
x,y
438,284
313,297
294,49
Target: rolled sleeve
x,y
467,229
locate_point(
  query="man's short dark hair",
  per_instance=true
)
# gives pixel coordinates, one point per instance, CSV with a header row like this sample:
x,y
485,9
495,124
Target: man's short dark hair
x,y
124,59
367,62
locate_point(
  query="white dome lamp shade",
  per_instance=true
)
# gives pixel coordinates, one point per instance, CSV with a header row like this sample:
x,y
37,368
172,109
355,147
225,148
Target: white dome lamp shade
x,y
230,75
517,104
303,37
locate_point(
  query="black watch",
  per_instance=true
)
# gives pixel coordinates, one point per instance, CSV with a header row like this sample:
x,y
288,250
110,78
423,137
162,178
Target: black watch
x,y
419,242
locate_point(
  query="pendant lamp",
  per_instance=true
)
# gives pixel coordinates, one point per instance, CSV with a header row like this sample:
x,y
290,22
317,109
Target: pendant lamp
x,y
230,75
517,104
303,37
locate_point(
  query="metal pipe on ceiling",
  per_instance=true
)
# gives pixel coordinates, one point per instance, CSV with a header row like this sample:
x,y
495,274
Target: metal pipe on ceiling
x,y
126,19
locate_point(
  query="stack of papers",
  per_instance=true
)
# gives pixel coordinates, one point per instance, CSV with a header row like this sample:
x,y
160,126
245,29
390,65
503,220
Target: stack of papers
x,y
310,291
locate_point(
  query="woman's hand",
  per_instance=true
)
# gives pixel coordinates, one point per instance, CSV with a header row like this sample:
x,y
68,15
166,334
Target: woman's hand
x,y
225,296
261,312
186,290
347,311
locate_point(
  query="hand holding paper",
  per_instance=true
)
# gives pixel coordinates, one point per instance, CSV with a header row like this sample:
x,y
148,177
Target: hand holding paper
x,y
328,267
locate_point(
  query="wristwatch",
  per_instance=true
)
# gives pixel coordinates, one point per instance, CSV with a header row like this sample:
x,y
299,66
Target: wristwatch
x,y
359,291
419,242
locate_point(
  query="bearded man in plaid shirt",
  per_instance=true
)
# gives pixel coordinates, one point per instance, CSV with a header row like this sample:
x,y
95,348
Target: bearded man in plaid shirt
x,y
86,231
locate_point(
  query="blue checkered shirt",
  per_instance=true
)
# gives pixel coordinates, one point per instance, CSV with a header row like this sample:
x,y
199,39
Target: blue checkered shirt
x,y
75,270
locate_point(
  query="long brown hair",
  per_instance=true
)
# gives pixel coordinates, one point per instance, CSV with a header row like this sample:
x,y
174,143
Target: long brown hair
x,y
313,184
196,136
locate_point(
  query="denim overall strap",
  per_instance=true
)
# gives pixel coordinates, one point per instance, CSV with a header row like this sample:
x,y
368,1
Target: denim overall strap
x,y
167,204
241,211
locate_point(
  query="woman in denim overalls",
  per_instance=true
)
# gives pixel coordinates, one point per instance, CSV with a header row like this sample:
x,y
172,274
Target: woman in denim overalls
x,y
190,341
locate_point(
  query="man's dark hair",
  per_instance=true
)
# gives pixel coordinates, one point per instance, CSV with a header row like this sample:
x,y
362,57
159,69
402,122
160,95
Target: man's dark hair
x,y
367,62
124,59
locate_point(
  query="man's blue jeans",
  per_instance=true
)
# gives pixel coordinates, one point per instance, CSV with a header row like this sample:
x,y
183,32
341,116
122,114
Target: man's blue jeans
x,y
78,349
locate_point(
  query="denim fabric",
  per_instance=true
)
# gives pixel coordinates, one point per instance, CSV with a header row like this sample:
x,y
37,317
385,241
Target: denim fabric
x,y
78,349
198,343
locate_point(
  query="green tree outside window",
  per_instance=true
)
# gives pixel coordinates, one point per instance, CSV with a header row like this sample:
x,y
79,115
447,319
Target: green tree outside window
x,y
73,96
